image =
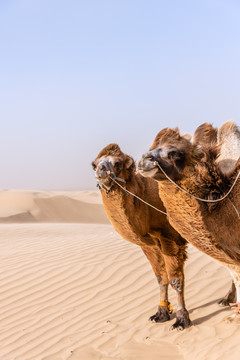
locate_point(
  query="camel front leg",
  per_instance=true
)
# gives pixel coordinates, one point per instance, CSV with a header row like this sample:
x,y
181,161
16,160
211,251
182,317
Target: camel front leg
x,y
175,271
154,256
173,250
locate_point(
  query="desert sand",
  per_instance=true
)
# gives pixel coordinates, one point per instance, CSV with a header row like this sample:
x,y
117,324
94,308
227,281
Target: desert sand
x,y
72,288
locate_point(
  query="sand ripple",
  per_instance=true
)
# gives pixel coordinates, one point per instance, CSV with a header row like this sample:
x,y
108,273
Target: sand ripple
x,y
78,291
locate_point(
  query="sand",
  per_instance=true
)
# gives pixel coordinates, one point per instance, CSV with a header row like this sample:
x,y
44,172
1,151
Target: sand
x,y
72,288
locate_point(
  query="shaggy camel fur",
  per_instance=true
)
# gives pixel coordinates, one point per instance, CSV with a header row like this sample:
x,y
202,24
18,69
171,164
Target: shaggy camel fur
x,y
205,135
213,228
144,226
208,136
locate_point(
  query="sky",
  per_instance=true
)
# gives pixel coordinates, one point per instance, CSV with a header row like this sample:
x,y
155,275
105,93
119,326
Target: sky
x,y
77,75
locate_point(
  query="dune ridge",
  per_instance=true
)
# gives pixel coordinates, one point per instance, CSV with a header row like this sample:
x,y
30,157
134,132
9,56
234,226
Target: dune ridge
x,y
18,206
78,291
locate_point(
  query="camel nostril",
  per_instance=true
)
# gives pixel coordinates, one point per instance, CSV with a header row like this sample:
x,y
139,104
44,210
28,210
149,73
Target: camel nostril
x,y
147,156
103,167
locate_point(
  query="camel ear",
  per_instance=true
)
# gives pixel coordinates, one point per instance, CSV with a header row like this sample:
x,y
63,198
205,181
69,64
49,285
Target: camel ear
x,y
186,136
129,162
93,165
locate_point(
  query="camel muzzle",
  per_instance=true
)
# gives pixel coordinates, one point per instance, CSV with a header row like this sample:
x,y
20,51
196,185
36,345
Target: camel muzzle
x,y
148,161
104,173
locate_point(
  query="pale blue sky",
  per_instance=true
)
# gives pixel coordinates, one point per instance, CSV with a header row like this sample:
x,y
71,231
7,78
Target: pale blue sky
x,y
77,75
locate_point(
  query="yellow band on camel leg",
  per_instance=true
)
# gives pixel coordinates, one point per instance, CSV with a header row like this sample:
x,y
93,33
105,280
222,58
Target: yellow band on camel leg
x,y
166,303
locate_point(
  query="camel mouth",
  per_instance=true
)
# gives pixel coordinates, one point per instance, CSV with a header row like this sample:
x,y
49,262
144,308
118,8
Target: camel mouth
x,y
147,164
147,168
148,172
106,182
101,179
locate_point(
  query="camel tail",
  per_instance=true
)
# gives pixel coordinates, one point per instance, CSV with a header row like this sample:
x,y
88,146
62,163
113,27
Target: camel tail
x,y
229,142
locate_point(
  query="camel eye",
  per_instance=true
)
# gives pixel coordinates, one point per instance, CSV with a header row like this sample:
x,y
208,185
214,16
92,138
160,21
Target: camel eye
x,y
172,154
94,166
118,164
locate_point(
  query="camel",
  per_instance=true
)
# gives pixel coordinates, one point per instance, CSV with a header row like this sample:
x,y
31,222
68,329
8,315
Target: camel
x,y
144,226
184,171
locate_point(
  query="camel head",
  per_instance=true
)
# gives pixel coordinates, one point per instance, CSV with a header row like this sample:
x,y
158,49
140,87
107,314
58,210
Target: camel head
x,y
110,163
169,150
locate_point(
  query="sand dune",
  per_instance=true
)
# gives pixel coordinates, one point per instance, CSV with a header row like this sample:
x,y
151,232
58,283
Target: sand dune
x,y
42,206
79,292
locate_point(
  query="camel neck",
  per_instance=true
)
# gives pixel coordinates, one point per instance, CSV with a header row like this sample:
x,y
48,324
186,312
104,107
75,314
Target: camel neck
x,y
206,231
118,192
204,181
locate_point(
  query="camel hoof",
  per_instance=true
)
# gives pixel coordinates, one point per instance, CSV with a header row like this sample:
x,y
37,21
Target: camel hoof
x,y
223,302
162,315
176,326
182,320
230,297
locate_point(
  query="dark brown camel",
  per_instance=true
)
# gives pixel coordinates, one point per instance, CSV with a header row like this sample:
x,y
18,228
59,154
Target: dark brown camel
x,y
144,226
214,227
208,136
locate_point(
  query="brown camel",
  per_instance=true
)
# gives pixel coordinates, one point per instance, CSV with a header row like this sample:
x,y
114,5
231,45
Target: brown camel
x,y
144,226
208,136
212,227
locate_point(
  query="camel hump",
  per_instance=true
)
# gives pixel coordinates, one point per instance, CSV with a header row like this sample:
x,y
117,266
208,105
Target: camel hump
x,y
229,142
205,135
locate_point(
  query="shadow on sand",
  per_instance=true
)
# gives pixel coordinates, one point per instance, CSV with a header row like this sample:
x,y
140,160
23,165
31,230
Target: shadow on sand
x,y
212,314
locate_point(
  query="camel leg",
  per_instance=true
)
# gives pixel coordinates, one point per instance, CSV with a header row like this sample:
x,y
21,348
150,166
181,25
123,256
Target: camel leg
x,y
236,306
176,278
154,256
174,257
230,297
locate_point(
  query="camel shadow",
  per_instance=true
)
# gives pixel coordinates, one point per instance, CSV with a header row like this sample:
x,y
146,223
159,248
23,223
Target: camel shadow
x,y
212,314
209,316
208,304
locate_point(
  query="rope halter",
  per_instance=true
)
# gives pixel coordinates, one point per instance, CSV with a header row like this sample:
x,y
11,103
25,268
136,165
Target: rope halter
x,y
110,172
115,180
